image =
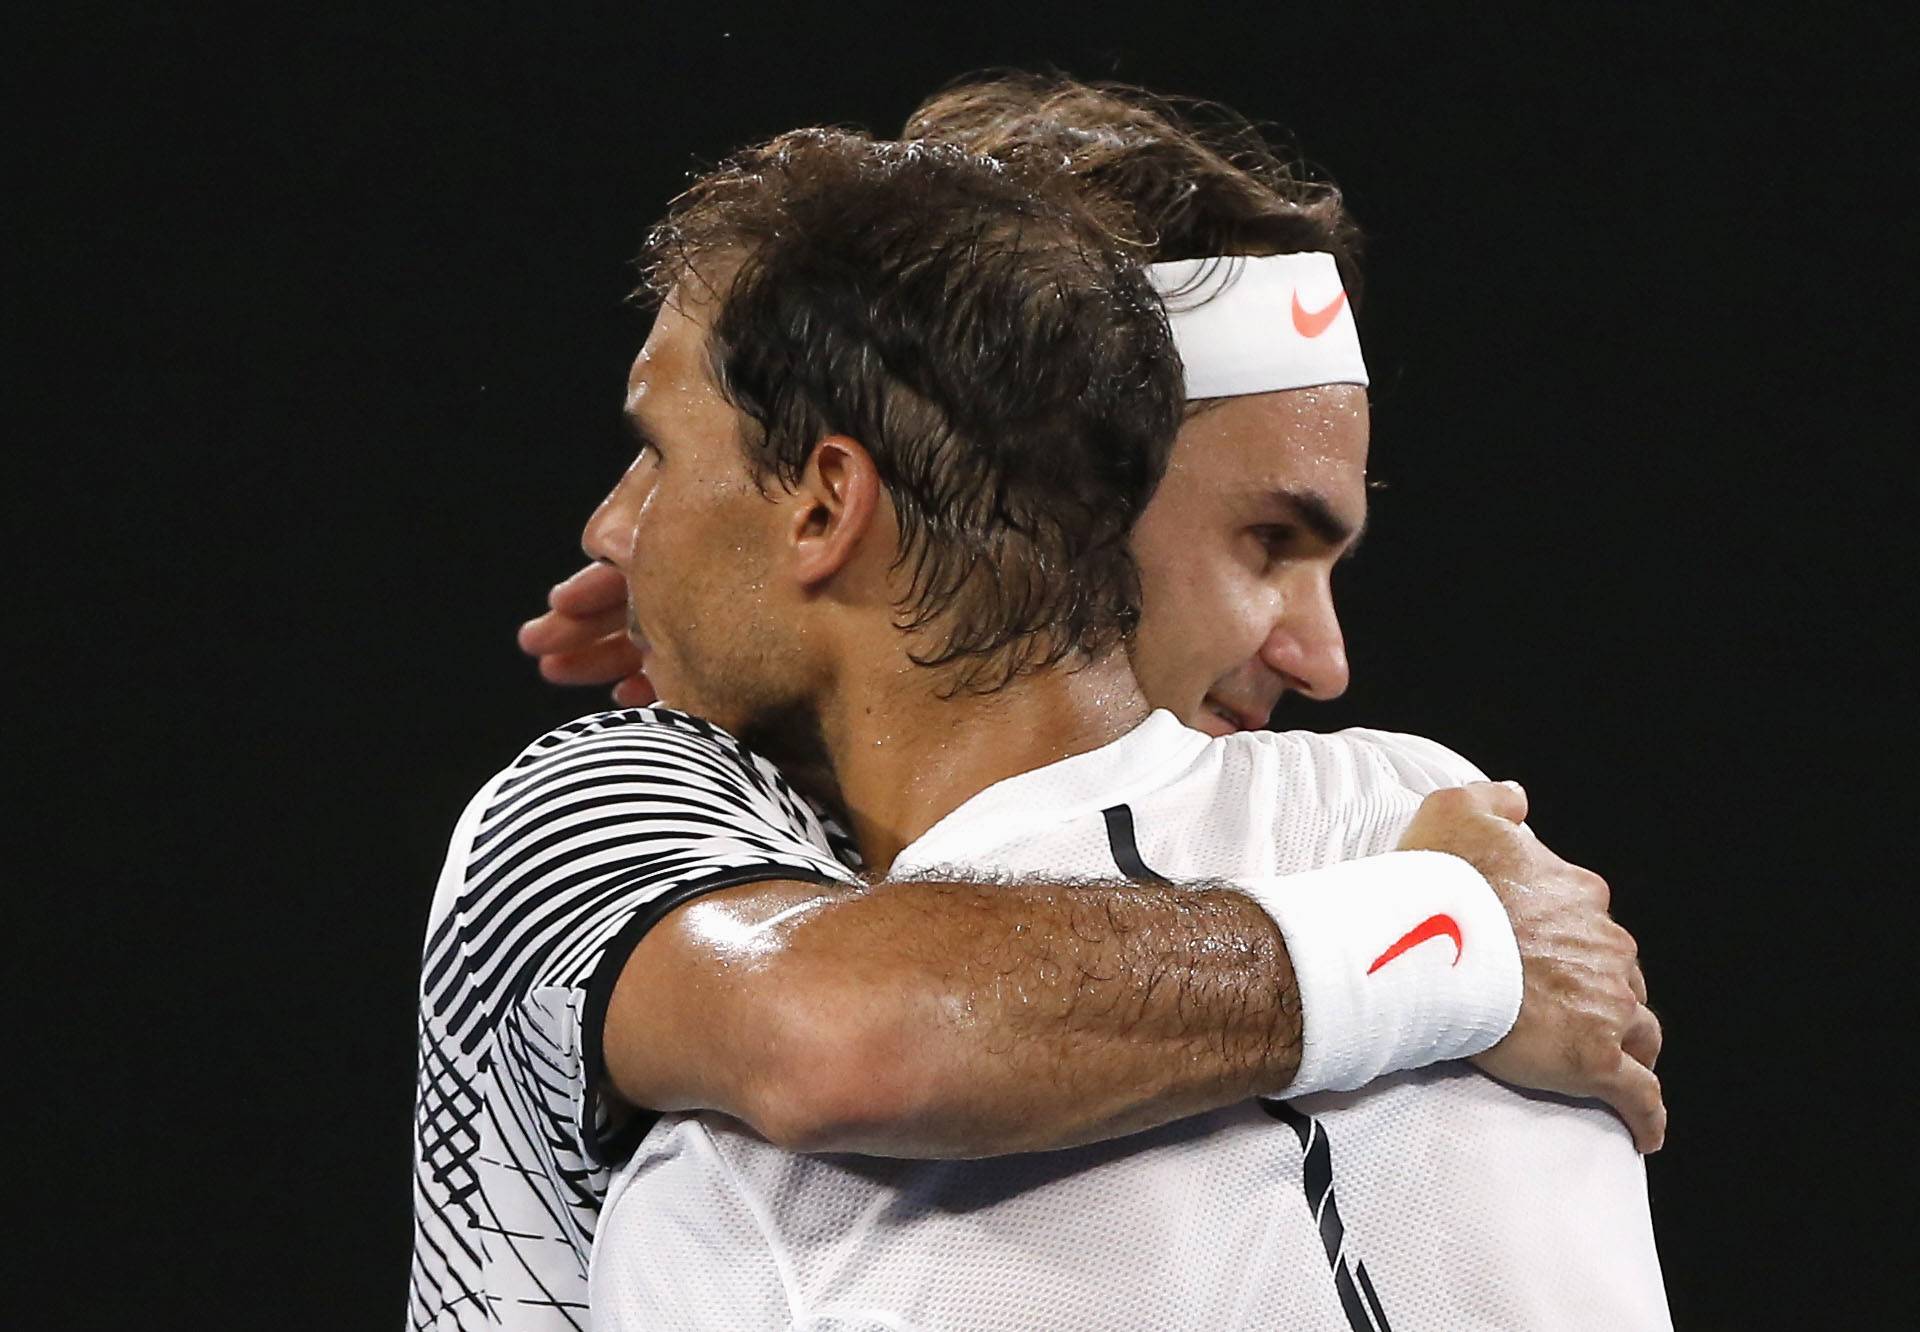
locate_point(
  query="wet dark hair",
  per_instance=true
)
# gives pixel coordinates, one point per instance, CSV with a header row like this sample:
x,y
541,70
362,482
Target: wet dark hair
x,y
986,332
1196,178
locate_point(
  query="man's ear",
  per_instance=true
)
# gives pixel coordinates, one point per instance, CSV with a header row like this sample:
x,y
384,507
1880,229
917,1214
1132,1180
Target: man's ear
x,y
839,497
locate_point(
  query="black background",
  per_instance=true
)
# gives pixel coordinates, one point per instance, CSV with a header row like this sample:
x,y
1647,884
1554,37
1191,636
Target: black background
x,y
329,340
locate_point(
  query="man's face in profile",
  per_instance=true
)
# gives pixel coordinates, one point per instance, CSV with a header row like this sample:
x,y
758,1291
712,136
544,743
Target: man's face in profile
x,y
1263,496
690,531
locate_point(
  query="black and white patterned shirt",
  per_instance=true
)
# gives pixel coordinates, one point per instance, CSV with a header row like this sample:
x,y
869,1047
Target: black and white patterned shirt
x,y
556,869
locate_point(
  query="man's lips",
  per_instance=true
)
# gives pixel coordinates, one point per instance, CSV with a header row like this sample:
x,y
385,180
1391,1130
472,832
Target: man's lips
x,y
634,636
1237,716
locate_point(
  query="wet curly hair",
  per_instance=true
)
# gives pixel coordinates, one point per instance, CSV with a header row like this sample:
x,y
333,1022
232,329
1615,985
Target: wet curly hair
x,y
985,329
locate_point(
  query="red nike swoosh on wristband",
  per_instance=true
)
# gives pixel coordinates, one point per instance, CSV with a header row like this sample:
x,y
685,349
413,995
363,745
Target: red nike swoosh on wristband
x,y
1312,323
1433,927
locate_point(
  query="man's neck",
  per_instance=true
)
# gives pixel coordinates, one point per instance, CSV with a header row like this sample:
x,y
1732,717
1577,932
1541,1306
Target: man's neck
x,y
906,756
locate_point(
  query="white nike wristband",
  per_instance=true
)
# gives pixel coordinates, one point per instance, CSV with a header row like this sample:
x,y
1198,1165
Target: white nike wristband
x,y
1402,959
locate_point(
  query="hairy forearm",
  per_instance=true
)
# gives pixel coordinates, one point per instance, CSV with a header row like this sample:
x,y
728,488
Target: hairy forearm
x,y
978,1020
956,1019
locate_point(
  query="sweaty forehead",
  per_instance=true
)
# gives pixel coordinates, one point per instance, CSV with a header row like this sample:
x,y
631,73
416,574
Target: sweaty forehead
x,y
673,361
1312,436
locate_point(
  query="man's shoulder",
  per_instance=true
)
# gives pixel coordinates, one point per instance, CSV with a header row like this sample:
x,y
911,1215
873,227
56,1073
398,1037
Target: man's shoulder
x,y
1415,759
622,805
657,749
642,735
641,773
1364,757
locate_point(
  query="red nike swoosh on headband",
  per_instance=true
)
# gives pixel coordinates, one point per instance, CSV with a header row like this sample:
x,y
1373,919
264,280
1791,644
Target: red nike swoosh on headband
x,y
1312,323
1433,927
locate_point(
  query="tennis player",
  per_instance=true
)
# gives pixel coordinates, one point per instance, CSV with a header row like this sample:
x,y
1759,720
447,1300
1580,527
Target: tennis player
x,y
550,882
937,680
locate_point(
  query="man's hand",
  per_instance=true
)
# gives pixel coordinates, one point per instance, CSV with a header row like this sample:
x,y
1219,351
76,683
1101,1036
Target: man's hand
x,y
582,638
1584,1027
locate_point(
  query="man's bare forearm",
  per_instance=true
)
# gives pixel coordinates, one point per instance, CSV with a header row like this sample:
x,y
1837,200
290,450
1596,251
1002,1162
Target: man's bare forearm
x,y
962,1020
955,1020
1042,1017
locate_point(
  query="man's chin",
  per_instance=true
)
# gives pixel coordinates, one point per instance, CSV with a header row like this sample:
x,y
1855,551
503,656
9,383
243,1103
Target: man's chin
x,y
1213,723
673,695
791,737
787,734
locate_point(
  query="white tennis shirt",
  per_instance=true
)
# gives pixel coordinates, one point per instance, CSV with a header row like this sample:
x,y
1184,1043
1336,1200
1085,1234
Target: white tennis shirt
x,y
1437,1199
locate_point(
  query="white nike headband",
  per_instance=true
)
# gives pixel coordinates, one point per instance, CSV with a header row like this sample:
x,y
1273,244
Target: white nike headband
x,y
1260,324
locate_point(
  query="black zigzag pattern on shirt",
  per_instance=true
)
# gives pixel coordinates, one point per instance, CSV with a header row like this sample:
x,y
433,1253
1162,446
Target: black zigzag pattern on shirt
x,y
592,824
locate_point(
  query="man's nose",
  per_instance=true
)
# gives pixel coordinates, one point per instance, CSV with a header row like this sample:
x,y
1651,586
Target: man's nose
x,y
608,535
1306,645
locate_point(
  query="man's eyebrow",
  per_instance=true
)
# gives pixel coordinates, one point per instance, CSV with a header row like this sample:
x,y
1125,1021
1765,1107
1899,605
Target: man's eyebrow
x,y
1312,510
